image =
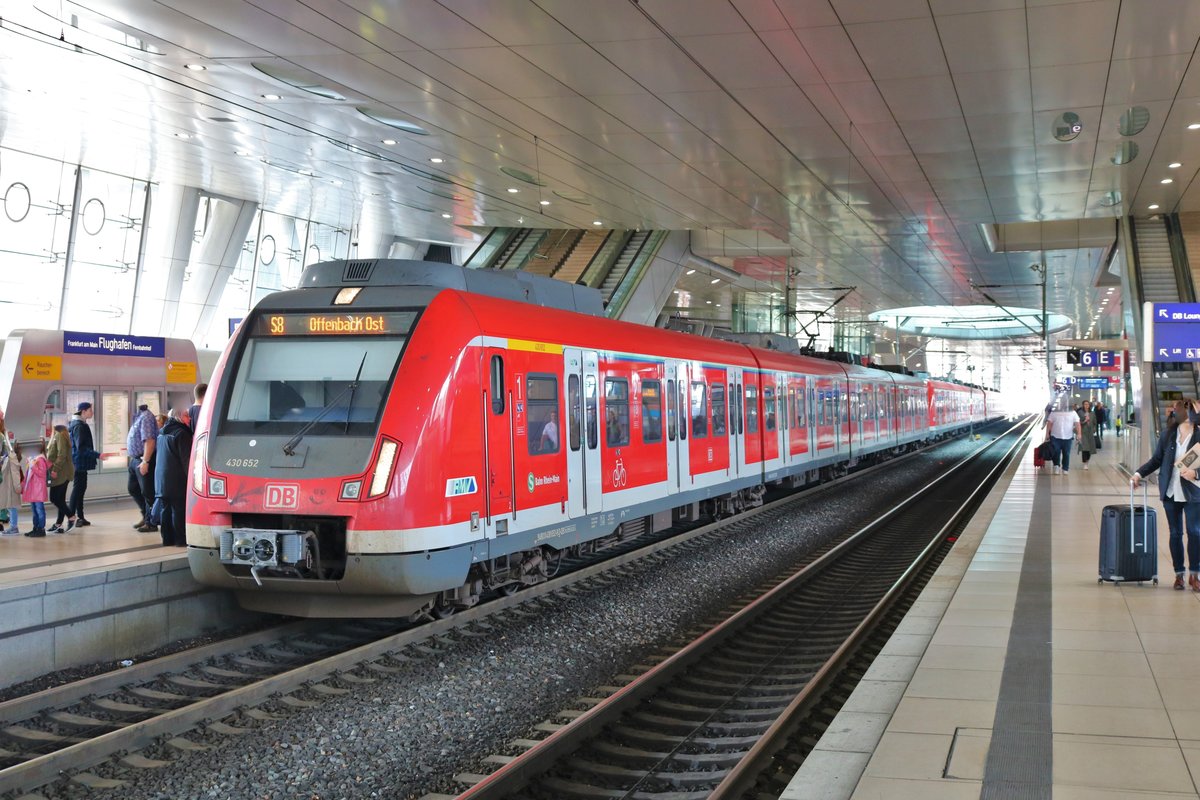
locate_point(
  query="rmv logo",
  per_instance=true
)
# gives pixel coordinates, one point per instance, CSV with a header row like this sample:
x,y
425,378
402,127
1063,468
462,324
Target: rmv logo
x,y
282,495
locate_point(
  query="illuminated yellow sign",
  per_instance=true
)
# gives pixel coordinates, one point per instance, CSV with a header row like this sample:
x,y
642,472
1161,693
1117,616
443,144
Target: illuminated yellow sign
x,y
181,372
41,368
534,347
368,324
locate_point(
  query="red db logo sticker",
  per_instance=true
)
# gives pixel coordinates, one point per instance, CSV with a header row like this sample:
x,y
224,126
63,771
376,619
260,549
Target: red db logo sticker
x,y
282,495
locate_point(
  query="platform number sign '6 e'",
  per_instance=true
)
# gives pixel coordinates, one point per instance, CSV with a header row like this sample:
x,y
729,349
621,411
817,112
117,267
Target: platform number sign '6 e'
x,y
282,495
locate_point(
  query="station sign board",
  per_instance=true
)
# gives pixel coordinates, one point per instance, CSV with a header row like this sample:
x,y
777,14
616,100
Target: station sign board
x,y
1092,383
1172,331
113,344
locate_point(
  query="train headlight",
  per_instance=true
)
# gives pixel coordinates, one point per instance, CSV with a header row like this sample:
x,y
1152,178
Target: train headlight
x,y
199,464
351,490
384,462
216,487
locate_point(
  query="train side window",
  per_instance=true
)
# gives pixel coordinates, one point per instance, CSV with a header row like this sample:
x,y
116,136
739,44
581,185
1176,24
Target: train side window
x,y
672,404
497,385
573,408
751,409
590,411
801,416
542,430
769,407
651,411
699,410
616,412
718,409
683,410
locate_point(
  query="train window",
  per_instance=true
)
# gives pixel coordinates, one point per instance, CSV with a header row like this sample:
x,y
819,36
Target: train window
x,y
671,406
589,406
769,407
801,416
737,407
651,411
683,410
616,412
699,410
574,409
718,409
541,409
497,383
751,409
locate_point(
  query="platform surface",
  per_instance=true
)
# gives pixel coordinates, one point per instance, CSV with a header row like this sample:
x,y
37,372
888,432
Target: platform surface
x,y
1017,675
108,542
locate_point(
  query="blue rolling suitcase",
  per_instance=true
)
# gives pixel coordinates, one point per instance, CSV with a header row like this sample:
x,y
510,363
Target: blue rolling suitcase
x,y
1129,542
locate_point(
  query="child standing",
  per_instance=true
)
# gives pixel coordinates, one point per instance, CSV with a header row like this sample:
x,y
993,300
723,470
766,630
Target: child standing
x,y
11,481
35,492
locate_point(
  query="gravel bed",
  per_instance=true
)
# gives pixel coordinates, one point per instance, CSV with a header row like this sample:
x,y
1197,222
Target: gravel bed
x,y
406,736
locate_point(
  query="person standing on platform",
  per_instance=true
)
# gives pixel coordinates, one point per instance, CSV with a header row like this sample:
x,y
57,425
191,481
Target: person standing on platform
x,y
85,458
1063,427
171,477
1087,436
12,478
1179,494
34,492
62,471
140,444
194,411
1101,421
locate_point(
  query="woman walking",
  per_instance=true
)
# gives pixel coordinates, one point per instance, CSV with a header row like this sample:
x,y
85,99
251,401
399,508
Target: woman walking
x,y
1087,435
1179,494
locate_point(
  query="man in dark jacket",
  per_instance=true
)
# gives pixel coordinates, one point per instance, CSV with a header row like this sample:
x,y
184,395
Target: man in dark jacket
x,y
172,456
85,458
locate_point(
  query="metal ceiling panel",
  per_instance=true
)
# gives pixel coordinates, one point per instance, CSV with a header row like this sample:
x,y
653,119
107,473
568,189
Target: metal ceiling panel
x,y
920,56
1073,33
992,41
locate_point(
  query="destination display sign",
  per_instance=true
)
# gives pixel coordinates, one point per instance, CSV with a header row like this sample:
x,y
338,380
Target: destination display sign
x,y
382,323
1172,331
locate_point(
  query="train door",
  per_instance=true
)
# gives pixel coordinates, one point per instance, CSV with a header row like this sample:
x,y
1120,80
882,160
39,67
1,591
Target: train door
x,y
737,446
581,378
678,473
770,418
498,451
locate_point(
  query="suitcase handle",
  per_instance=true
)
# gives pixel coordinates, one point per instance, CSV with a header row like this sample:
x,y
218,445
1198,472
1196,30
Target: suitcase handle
x,y
1145,516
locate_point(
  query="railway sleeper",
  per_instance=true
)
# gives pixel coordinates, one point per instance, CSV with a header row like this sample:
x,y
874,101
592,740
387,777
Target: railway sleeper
x,y
650,757
563,788
627,775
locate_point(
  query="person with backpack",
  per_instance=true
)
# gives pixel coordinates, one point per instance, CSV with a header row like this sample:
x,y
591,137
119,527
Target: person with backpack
x,y
85,458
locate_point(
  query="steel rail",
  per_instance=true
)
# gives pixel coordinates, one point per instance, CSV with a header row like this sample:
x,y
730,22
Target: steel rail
x,y
514,775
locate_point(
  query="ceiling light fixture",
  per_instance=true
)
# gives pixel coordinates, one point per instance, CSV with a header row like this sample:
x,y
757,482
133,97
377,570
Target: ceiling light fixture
x,y
597,222
691,272
436,160
183,136
272,97
512,190
1152,206
195,67
388,142
1167,180
715,280
543,202
242,153
1194,126
445,216
1174,165
709,302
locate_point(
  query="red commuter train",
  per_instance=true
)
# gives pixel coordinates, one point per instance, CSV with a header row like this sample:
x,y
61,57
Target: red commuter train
x,y
396,437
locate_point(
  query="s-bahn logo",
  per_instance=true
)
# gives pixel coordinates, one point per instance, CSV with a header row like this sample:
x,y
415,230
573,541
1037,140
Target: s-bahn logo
x,y
282,495
460,486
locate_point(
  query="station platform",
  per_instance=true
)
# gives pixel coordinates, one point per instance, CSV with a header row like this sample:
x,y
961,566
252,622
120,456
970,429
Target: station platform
x,y
1017,675
100,593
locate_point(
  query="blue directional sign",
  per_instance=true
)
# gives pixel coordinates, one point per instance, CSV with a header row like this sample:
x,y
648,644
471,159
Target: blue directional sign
x,y
1172,331
1097,358
1092,383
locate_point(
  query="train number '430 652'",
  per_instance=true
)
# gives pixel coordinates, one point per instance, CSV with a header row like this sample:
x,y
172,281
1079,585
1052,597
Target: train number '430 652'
x,y
241,462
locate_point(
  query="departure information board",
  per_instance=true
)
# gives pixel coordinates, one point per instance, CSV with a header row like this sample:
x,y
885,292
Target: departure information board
x,y
368,323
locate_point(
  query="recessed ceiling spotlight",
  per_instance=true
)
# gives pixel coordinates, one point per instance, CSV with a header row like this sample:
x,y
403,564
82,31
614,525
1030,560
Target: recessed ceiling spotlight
x,y
715,280
1174,165
388,142
272,97
718,305
512,190
543,202
183,136
520,220
709,302
1152,206
1194,126
445,216
691,272
337,183
597,222
195,67
1167,180
436,160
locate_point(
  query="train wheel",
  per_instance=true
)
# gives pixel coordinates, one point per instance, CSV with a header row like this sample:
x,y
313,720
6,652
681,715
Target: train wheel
x,y
509,589
442,609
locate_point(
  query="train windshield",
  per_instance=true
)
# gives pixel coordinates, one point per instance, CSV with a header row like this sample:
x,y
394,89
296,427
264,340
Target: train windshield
x,y
299,371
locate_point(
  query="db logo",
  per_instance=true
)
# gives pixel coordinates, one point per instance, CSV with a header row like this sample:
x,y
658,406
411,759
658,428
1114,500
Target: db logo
x,y
282,495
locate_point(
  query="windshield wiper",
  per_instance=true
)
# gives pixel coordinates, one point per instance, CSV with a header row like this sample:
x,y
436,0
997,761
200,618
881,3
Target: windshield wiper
x,y
289,447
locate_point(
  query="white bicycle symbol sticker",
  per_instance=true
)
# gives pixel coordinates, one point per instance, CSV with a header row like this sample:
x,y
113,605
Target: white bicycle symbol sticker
x,y
619,477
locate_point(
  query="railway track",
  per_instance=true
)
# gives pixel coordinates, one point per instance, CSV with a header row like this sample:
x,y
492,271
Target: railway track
x,y
61,732
706,721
